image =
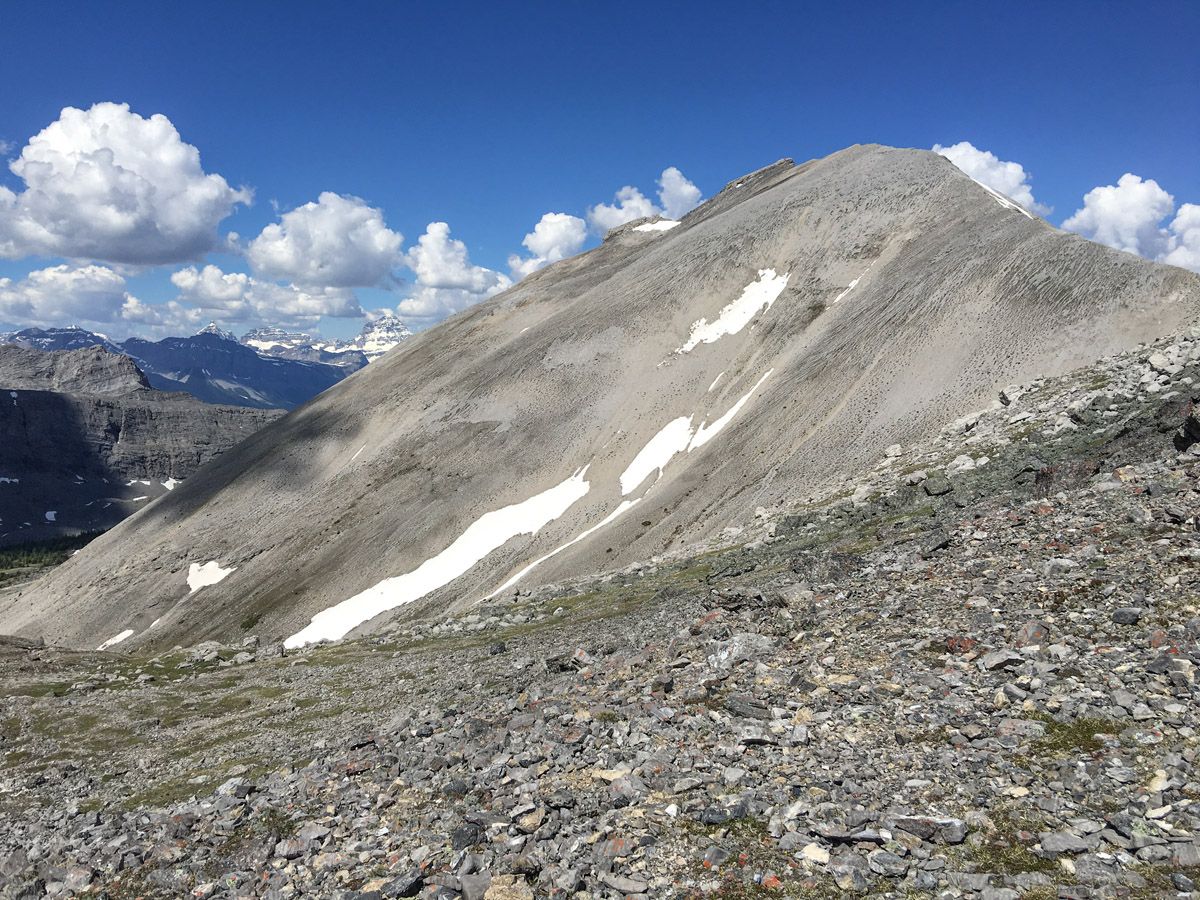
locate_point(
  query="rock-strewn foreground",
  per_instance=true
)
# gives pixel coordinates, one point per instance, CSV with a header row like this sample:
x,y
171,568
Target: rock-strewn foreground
x,y
970,673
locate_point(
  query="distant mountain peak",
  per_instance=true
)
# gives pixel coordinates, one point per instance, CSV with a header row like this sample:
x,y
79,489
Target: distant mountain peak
x,y
380,335
214,329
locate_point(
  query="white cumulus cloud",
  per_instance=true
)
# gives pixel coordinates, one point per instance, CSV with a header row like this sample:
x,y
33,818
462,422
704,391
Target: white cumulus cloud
x,y
676,196
337,241
447,281
1007,178
556,236
1184,248
107,184
64,294
1126,216
236,296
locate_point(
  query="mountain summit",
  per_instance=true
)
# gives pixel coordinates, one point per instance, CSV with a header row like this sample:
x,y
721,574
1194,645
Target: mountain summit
x,y
622,405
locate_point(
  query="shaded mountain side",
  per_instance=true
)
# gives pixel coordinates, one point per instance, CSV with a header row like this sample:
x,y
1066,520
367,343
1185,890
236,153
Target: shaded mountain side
x,y
87,442
216,369
624,404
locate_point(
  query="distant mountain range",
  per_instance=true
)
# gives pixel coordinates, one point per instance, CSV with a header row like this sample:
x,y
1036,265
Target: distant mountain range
x,y
376,338
267,369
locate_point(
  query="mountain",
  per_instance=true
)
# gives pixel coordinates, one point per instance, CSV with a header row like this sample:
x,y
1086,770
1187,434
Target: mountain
x,y
217,369
70,338
280,344
88,442
214,329
622,406
376,338
969,672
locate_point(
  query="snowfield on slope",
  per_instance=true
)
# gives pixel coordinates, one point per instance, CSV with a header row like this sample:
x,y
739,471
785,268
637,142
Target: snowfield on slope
x,y
487,533
660,225
203,575
757,296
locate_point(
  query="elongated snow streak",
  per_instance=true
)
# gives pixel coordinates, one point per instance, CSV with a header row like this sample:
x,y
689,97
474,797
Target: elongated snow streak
x,y
677,436
715,381
622,507
487,533
660,225
706,432
672,439
360,450
851,286
1005,202
116,639
203,575
756,296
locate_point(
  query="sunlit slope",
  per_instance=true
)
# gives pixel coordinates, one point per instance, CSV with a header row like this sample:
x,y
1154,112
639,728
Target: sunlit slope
x,y
623,403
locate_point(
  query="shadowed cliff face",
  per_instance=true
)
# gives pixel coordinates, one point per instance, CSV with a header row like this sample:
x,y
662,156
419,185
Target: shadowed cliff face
x,y
625,403
87,442
217,370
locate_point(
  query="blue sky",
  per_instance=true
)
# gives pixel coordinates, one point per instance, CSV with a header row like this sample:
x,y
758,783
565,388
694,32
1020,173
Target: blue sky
x,y
487,116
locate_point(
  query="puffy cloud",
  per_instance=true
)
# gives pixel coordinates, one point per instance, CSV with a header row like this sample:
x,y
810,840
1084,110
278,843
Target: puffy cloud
x,y
106,184
447,282
1125,216
235,296
556,236
1007,178
64,294
1185,238
1131,216
676,195
630,204
336,242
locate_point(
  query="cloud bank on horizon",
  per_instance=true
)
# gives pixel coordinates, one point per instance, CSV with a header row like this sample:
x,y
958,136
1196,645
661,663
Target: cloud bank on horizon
x,y
111,193
108,193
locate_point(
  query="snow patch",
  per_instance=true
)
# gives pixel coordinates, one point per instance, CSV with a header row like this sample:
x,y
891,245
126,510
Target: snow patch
x,y
51,515
660,225
853,284
136,481
171,483
1005,202
672,439
706,432
678,436
622,507
203,575
757,296
9,480
487,533
116,639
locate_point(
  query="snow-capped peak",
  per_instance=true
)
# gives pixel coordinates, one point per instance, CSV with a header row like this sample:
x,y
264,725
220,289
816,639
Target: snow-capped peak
x,y
213,328
381,335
